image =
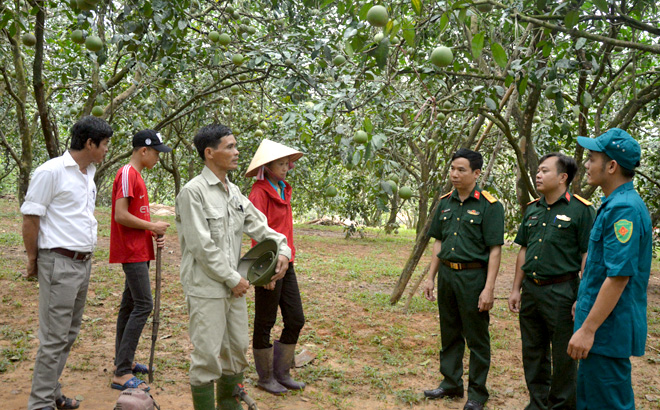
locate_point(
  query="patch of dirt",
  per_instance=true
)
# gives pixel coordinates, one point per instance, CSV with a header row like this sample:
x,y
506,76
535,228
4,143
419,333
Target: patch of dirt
x,y
369,355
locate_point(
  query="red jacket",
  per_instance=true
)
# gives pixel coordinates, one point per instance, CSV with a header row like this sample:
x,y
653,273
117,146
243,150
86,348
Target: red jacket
x,y
277,210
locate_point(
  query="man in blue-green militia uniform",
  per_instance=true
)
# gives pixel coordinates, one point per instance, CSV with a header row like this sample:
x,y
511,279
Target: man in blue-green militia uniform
x,y
610,314
469,230
553,239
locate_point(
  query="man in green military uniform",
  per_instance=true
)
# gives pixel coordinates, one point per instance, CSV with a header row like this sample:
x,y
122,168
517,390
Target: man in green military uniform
x,y
553,239
469,230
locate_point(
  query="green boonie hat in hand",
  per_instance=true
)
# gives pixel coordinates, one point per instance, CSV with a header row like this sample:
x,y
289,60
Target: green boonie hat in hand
x,y
616,144
258,264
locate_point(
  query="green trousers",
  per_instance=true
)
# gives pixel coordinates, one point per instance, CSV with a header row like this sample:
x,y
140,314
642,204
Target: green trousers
x,y
461,322
546,327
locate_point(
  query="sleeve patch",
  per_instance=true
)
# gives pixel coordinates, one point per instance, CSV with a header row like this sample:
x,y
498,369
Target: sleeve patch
x,y
490,198
584,201
623,230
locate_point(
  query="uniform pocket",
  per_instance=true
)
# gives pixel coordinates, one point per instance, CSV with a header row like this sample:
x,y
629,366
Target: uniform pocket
x,y
215,219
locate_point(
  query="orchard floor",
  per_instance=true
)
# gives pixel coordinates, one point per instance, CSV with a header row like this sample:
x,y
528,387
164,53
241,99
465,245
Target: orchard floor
x,y
370,355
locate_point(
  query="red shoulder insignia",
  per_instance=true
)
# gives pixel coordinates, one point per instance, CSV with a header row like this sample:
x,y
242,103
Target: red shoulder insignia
x,y
584,201
533,200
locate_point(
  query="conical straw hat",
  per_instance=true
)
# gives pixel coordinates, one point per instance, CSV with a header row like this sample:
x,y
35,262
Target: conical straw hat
x,y
269,151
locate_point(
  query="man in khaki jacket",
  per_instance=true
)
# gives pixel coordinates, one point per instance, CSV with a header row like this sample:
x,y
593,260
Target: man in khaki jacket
x,y
211,217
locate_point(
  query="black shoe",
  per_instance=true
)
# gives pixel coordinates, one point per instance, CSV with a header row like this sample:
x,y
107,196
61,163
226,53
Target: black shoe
x,y
441,392
473,405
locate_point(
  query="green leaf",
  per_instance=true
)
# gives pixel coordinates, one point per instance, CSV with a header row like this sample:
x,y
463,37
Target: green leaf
x,y
499,54
522,86
408,33
602,5
547,49
571,19
477,44
444,20
490,104
348,49
559,102
364,10
580,43
381,54
367,125
417,6
388,27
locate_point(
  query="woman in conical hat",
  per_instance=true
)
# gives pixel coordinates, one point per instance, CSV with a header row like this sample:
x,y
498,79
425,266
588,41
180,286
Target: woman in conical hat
x,y
271,194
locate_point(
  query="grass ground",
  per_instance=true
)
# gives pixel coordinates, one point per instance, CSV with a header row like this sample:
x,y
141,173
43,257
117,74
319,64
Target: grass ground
x,y
369,354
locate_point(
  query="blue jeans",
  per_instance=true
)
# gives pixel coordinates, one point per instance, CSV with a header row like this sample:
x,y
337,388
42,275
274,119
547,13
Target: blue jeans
x,y
136,306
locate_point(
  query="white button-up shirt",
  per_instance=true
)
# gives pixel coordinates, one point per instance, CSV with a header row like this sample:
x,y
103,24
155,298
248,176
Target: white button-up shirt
x,y
64,198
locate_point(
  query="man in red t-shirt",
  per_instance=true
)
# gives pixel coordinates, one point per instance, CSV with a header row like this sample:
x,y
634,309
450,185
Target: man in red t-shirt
x,y
131,244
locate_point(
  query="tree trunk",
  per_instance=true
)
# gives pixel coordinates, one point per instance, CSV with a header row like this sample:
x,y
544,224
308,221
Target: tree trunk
x,y
50,134
20,96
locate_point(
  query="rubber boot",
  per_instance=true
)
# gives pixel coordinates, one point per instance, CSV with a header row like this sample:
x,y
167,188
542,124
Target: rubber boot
x,y
225,394
283,359
263,361
203,396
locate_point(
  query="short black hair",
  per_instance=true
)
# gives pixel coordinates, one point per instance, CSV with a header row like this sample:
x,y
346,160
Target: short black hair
x,y
627,173
89,127
565,165
210,136
475,158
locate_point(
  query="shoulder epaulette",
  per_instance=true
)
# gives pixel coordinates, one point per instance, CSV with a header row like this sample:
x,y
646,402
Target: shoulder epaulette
x,y
490,198
584,201
533,200
446,195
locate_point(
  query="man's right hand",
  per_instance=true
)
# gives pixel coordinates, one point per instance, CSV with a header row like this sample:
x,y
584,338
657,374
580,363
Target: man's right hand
x,y
241,289
514,302
429,285
160,227
32,270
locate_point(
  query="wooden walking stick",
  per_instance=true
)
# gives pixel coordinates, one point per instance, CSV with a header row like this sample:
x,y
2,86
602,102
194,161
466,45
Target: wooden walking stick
x,y
156,319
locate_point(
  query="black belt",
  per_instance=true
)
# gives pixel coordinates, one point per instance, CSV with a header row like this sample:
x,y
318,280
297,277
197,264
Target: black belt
x,y
462,265
554,280
77,256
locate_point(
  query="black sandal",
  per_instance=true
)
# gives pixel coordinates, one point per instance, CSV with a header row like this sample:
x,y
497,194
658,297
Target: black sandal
x,y
65,403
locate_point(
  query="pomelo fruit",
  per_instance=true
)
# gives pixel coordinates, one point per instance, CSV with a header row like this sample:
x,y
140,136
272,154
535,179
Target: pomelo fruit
x,y
377,16
442,56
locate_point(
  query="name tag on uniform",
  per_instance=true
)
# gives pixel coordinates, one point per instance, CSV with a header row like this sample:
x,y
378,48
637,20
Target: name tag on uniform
x,y
473,212
564,218
533,218
446,210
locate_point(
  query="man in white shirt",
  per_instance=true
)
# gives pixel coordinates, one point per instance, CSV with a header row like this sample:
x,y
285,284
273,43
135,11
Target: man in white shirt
x,y
59,232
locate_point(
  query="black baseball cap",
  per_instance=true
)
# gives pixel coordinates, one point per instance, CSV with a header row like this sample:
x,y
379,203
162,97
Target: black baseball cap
x,y
150,138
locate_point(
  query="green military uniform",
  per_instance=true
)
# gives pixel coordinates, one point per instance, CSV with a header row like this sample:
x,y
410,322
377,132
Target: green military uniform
x,y
467,229
555,236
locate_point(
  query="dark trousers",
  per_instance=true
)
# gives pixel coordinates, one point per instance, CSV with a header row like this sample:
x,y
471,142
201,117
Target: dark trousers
x,y
135,308
286,295
604,383
546,327
461,322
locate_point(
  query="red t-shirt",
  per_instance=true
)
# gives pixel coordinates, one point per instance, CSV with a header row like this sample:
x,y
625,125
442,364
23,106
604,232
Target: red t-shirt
x,y
277,210
130,245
